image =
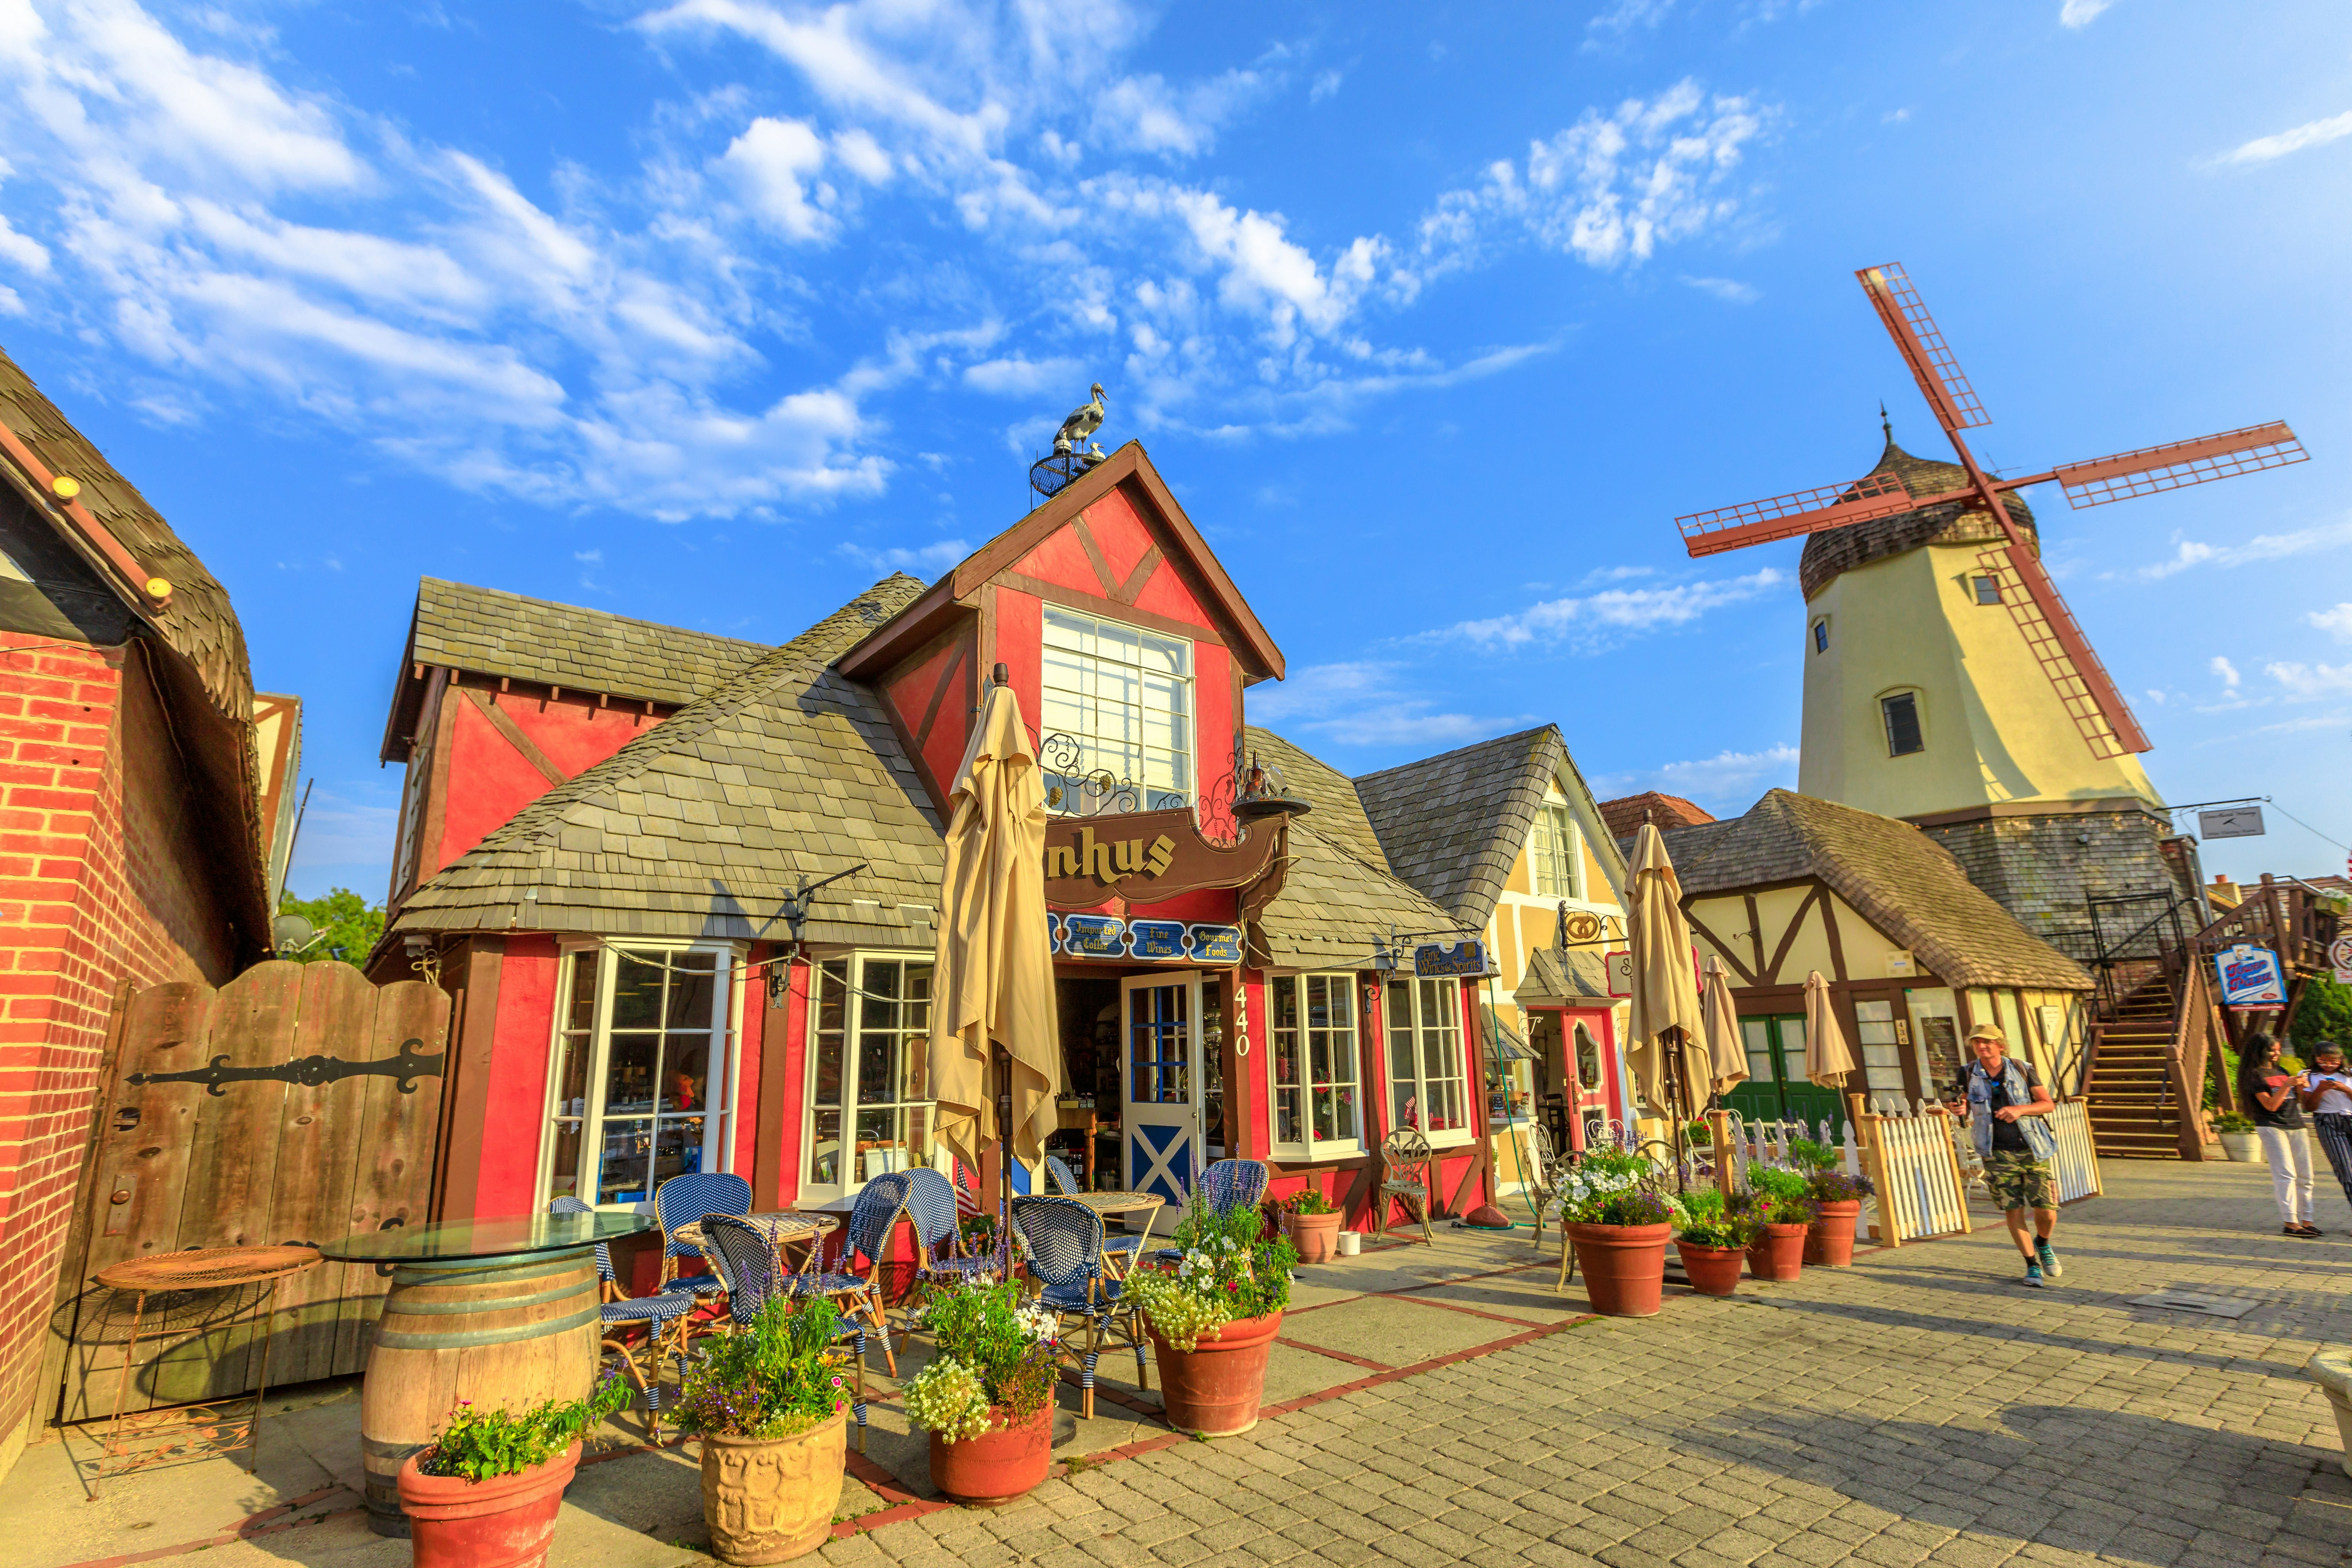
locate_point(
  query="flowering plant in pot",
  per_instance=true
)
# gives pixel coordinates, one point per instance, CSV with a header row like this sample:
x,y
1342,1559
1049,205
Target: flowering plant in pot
x,y
769,1402
1212,1316
987,1396
485,1492
1712,1240
1618,1223
1777,1198
2237,1135
1836,1196
1313,1222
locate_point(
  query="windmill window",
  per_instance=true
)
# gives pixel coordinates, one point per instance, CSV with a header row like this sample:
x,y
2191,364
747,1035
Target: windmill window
x,y
1822,636
1987,589
1901,713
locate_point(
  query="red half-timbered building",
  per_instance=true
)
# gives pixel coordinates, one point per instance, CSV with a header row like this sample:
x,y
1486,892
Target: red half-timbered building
x,y
683,888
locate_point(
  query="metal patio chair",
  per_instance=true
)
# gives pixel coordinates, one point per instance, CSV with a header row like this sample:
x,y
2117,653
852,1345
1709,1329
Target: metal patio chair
x,y
939,1258
1064,1241
663,1315
873,1220
1226,1185
741,1252
1543,1181
1405,1178
1123,1248
681,1201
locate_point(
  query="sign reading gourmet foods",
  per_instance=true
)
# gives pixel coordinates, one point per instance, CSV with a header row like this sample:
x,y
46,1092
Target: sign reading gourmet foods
x,y
1145,856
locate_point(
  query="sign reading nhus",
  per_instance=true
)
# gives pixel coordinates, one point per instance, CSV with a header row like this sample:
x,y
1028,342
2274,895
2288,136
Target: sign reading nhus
x,y
1144,856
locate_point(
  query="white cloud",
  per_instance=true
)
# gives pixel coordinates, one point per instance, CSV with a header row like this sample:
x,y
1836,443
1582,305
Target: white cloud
x,y
926,561
588,557
1148,115
1601,620
2312,134
2080,13
2226,671
1325,85
775,162
1610,189
1730,774
341,832
1015,376
1728,290
1624,17
1367,702
2307,682
2336,623
2189,553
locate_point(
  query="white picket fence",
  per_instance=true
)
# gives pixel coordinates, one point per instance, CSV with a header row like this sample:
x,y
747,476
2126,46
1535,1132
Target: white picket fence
x,y
1921,1192
2077,1165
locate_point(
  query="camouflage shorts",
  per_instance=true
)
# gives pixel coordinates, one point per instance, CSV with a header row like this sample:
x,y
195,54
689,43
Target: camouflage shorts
x,y
2019,1180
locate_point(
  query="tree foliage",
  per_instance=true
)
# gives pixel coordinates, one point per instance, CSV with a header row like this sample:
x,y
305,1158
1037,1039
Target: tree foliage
x,y
2325,1014
347,924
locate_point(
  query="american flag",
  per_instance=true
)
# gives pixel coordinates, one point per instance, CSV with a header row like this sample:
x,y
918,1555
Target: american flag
x,y
966,1204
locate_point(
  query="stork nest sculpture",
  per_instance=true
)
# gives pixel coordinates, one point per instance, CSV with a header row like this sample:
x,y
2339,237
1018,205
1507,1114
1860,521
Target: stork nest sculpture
x,y
1074,451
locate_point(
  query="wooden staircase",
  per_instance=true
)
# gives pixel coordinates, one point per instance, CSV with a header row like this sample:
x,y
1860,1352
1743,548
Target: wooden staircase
x,y
2132,1085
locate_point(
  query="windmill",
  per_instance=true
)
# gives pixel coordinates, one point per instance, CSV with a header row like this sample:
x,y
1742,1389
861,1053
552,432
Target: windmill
x,y
2051,635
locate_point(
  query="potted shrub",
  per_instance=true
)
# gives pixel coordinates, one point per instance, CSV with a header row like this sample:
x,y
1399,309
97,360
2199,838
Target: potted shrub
x,y
2237,1134
485,1492
1212,1316
1313,1221
1712,1240
1777,1198
769,1402
987,1396
1836,1196
1619,1228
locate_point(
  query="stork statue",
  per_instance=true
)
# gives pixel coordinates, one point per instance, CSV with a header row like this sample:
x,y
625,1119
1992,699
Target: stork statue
x,y
1083,422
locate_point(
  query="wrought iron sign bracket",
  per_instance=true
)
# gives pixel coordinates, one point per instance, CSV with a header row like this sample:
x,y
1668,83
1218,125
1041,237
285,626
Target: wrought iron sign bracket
x,y
310,1072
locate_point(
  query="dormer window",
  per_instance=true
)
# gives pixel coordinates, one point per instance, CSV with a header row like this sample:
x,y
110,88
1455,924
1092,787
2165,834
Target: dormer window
x,y
1986,589
1115,726
1554,849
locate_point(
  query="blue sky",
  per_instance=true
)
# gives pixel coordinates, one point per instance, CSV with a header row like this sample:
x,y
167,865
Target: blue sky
x,y
711,311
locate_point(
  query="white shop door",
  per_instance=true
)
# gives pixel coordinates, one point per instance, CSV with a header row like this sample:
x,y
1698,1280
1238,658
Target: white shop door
x,y
1159,1018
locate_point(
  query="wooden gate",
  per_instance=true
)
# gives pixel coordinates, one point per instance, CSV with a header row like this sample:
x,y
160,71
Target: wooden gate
x,y
297,1103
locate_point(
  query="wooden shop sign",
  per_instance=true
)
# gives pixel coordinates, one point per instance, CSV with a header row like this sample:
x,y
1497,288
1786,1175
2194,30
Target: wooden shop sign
x,y
1145,856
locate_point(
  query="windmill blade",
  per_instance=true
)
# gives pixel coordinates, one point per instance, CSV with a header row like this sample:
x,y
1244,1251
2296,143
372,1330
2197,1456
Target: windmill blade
x,y
1930,358
2055,639
2178,464
1785,517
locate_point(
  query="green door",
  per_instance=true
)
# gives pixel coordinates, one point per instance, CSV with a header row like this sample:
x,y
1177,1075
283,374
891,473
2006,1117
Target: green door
x,y
1777,1088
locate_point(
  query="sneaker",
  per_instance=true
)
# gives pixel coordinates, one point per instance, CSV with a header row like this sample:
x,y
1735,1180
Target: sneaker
x,y
2033,1274
2050,1267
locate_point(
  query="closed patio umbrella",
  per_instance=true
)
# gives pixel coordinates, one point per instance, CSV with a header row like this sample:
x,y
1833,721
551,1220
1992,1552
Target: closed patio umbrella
x,y
1726,1055
1665,987
1829,1061
992,982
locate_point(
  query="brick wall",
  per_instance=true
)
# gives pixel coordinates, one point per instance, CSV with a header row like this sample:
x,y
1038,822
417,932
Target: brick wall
x,y
102,878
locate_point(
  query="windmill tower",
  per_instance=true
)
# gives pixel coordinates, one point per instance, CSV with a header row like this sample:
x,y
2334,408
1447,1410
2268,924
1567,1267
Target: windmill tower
x,y
1946,681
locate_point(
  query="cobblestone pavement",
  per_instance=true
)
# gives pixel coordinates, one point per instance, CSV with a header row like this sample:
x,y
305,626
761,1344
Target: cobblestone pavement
x,y
1924,1407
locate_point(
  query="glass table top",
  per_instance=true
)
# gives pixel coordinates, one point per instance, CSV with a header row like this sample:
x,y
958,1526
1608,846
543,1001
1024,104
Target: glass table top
x,y
515,1235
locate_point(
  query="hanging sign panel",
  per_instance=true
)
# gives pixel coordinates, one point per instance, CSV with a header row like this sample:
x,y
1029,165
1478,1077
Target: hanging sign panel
x,y
2339,953
2250,977
1146,855
1149,940
2230,822
1438,958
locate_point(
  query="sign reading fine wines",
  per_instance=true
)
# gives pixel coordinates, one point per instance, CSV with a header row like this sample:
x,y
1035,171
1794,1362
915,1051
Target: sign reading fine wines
x,y
1145,856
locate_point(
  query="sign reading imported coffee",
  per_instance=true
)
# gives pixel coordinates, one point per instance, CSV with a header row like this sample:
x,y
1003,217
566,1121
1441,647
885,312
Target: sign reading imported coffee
x,y
1145,856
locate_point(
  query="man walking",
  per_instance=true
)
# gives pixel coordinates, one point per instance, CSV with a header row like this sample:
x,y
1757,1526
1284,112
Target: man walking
x,y
2008,1107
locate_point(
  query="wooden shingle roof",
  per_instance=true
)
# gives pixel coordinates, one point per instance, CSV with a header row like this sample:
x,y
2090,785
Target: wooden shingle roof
x,y
1338,812
1583,977
1897,877
700,827
1454,825
1336,909
1835,550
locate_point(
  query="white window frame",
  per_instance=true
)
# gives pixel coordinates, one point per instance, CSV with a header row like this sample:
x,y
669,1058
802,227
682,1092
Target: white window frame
x,y
1556,826
811,1190
1445,1027
722,1083
1307,1146
1085,800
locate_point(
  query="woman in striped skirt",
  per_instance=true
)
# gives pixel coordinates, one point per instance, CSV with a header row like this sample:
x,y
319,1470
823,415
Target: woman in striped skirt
x,y
2328,1097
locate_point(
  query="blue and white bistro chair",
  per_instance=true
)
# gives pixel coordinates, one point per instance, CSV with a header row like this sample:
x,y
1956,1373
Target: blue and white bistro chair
x,y
1122,1250
1225,1186
682,1200
939,1258
663,1315
1064,1241
855,1288
743,1253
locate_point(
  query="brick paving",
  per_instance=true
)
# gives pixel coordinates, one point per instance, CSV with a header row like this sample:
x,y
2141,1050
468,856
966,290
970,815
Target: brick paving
x,y
1921,1408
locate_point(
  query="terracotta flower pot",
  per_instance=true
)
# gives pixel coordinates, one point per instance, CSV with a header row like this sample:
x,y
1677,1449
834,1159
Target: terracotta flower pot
x,y
1624,1267
1316,1236
1780,1255
1001,1463
1829,1240
1712,1270
771,1500
506,1521
1213,1389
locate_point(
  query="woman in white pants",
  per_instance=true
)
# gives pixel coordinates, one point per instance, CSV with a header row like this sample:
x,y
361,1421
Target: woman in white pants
x,y
2328,1096
2273,1098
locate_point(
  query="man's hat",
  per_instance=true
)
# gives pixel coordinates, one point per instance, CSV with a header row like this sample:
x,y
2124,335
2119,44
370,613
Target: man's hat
x,y
1987,1032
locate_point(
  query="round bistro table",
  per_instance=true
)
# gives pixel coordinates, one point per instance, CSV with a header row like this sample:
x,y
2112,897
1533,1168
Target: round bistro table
x,y
784,1228
501,1312
1109,1204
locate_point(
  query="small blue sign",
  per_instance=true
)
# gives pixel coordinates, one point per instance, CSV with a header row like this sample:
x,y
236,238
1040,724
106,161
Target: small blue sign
x,y
1094,936
1156,938
1450,958
1217,944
